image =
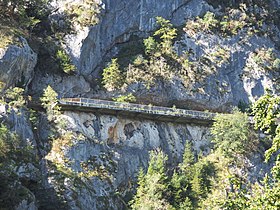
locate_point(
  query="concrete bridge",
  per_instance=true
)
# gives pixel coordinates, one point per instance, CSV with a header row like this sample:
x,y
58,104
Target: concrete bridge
x,y
136,110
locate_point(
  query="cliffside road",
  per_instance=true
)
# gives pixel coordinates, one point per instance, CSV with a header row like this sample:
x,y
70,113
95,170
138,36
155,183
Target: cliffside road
x,y
136,110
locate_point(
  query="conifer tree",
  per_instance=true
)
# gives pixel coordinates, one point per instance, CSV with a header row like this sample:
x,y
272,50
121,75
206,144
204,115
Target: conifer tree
x,y
180,185
152,190
112,77
166,33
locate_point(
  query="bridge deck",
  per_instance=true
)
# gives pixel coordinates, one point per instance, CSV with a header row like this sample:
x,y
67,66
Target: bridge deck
x,y
137,110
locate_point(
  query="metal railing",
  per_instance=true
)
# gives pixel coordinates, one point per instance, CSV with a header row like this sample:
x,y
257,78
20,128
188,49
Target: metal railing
x,y
130,107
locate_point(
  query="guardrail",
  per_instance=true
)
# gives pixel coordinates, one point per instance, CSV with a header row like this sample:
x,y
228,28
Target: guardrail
x,y
130,107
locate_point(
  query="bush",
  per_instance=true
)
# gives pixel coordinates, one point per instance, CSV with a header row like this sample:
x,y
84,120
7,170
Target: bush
x,y
276,64
84,13
151,46
14,97
65,62
126,98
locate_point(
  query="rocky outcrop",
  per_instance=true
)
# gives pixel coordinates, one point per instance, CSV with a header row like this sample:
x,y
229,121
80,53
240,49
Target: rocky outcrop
x,y
120,20
64,85
120,146
17,64
17,122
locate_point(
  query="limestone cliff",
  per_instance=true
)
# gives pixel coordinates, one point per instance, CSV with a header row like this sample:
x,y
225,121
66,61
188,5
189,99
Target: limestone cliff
x,y
121,22
94,160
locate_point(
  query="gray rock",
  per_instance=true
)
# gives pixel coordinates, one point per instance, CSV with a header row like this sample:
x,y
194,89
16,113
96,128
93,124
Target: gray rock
x,y
121,146
17,121
121,19
17,64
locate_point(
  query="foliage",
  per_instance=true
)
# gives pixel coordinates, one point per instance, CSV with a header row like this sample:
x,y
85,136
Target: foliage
x,y
28,13
214,181
232,134
229,23
265,111
167,34
112,76
265,59
152,190
83,13
207,23
12,155
220,56
8,142
151,46
65,62
276,64
189,183
201,184
130,98
262,196
180,184
14,97
266,117
49,102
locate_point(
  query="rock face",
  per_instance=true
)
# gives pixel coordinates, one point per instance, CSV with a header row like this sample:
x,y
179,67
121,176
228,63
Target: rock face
x,y
110,149
17,122
22,172
237,81
17,64
120,21
120,146
64,85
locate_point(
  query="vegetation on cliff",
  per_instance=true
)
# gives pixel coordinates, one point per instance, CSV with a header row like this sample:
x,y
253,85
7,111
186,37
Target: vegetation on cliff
x,y
214,181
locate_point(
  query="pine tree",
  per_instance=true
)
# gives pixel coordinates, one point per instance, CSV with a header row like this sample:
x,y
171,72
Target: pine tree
x,y
167,34
49,101
112,77
180,185
152,190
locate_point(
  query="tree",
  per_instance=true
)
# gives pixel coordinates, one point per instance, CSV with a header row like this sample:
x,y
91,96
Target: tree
x,y
266,117
201,183
130,98
15,97
180,184
28,12
152,190
112,77
232,134
266,111
167,34
65,62
151,46
49,102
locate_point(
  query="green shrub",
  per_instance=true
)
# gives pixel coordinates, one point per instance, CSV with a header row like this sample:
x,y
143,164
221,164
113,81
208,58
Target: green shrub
x,y
151,46
167,34
14,97
65,62
151,193
207,23
84,13
130,98
276,64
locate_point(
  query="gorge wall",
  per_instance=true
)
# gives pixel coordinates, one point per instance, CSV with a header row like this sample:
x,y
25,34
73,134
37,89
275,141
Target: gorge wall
x,y
95,162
